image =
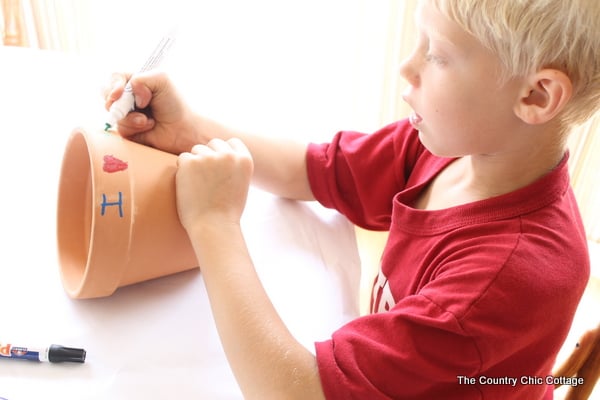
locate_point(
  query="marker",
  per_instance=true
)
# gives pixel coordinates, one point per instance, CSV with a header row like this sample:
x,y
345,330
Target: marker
x,y
53,354
126,103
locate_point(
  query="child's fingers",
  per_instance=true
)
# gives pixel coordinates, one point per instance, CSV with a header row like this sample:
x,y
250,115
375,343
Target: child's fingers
x,y
114,88
239,147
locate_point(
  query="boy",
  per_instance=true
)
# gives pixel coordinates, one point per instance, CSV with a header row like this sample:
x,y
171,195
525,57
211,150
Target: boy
x,y
486,259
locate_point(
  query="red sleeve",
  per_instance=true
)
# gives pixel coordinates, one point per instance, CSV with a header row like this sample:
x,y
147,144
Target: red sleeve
x,y
359,174
382,355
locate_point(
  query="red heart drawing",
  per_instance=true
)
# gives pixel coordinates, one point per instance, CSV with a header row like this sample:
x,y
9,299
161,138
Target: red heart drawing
x,y
113,164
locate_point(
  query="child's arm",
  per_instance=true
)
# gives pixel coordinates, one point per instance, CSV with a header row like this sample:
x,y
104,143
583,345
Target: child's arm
x,y
212,186
169,124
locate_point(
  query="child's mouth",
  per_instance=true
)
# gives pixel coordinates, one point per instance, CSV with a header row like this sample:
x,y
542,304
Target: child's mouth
x,y
415,119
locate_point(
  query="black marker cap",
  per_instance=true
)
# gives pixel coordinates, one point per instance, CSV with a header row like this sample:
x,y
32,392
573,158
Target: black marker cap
x,y
58,354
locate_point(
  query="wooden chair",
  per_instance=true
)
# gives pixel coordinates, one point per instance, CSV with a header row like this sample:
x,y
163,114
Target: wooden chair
x,y
14,23
583,362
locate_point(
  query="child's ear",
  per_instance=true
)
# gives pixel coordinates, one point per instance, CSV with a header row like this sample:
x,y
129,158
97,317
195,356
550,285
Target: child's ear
x,y
543,96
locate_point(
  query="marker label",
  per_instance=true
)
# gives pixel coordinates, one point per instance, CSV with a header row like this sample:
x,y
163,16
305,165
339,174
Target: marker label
x,y
22,353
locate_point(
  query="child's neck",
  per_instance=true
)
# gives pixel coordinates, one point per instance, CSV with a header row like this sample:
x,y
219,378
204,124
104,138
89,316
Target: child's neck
x,y
496,175
474,178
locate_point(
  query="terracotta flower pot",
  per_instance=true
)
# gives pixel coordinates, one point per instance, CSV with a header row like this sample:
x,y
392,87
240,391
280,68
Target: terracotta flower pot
x,y
117,221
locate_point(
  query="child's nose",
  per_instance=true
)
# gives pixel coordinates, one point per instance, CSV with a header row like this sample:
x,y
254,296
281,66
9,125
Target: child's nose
x,y
409,70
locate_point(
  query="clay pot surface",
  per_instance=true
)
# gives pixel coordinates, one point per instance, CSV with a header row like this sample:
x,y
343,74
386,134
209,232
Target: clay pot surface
x,y
117,221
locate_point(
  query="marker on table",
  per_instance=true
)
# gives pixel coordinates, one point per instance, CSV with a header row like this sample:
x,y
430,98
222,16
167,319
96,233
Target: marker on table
x,y
126,103
54,353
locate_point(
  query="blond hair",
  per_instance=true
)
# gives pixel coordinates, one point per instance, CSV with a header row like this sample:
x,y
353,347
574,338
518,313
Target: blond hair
x,y
529,35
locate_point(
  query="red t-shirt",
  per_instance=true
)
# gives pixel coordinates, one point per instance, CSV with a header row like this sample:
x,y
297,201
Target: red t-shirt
x,y
472,302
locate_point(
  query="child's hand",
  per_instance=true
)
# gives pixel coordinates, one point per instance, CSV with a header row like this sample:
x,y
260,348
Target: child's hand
x,y
166,122
212,184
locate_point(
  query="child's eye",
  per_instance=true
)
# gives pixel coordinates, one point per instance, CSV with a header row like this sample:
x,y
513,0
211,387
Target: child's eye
x,y
434,59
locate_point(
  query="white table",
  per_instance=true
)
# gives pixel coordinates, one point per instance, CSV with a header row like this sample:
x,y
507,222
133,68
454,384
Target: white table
x,y
154,340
